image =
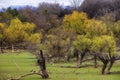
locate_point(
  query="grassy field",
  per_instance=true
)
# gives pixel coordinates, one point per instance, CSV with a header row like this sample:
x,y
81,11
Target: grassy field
x,y
16,64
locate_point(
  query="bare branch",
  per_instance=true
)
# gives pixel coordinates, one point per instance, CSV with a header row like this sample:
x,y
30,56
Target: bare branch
x,y
76,3
25,75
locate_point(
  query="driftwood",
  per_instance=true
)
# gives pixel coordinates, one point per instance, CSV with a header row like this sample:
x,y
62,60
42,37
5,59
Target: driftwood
x,y
42,65
25,75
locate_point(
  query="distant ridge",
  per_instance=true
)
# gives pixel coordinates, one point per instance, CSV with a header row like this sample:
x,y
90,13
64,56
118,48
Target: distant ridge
x,y
16,7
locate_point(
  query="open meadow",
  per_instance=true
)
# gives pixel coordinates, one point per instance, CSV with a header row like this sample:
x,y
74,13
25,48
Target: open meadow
x,y
14,64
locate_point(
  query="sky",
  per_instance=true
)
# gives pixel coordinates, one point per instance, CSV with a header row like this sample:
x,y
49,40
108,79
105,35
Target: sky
x,y
35,3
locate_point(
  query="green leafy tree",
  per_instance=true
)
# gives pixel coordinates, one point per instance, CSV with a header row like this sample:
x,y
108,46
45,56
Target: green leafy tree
x,y
104,47
116,30
8,14
82,44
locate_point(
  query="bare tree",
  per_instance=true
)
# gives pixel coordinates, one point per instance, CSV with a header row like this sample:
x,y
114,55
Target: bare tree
x,y
76,3
97,8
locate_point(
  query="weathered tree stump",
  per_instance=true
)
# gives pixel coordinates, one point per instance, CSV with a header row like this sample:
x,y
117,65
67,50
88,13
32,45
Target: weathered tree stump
x,y
42,64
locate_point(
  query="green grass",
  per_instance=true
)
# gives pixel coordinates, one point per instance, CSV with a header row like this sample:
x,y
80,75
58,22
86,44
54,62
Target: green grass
x,y
16,64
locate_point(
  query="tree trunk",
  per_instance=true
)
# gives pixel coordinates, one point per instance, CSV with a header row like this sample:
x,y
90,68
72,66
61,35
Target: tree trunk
x,y
42,64
68,50
12,48
76,54
110,66
68,58
105,62
104,67
1,50
95,61
81,59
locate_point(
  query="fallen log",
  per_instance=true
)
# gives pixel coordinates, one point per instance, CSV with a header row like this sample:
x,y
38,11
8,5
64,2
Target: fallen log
x,y
25,75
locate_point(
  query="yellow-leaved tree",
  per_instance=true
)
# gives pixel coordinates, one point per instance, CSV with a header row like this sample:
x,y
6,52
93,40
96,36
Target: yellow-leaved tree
x,y
95,28
19,32
75,21
2,38
94,36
